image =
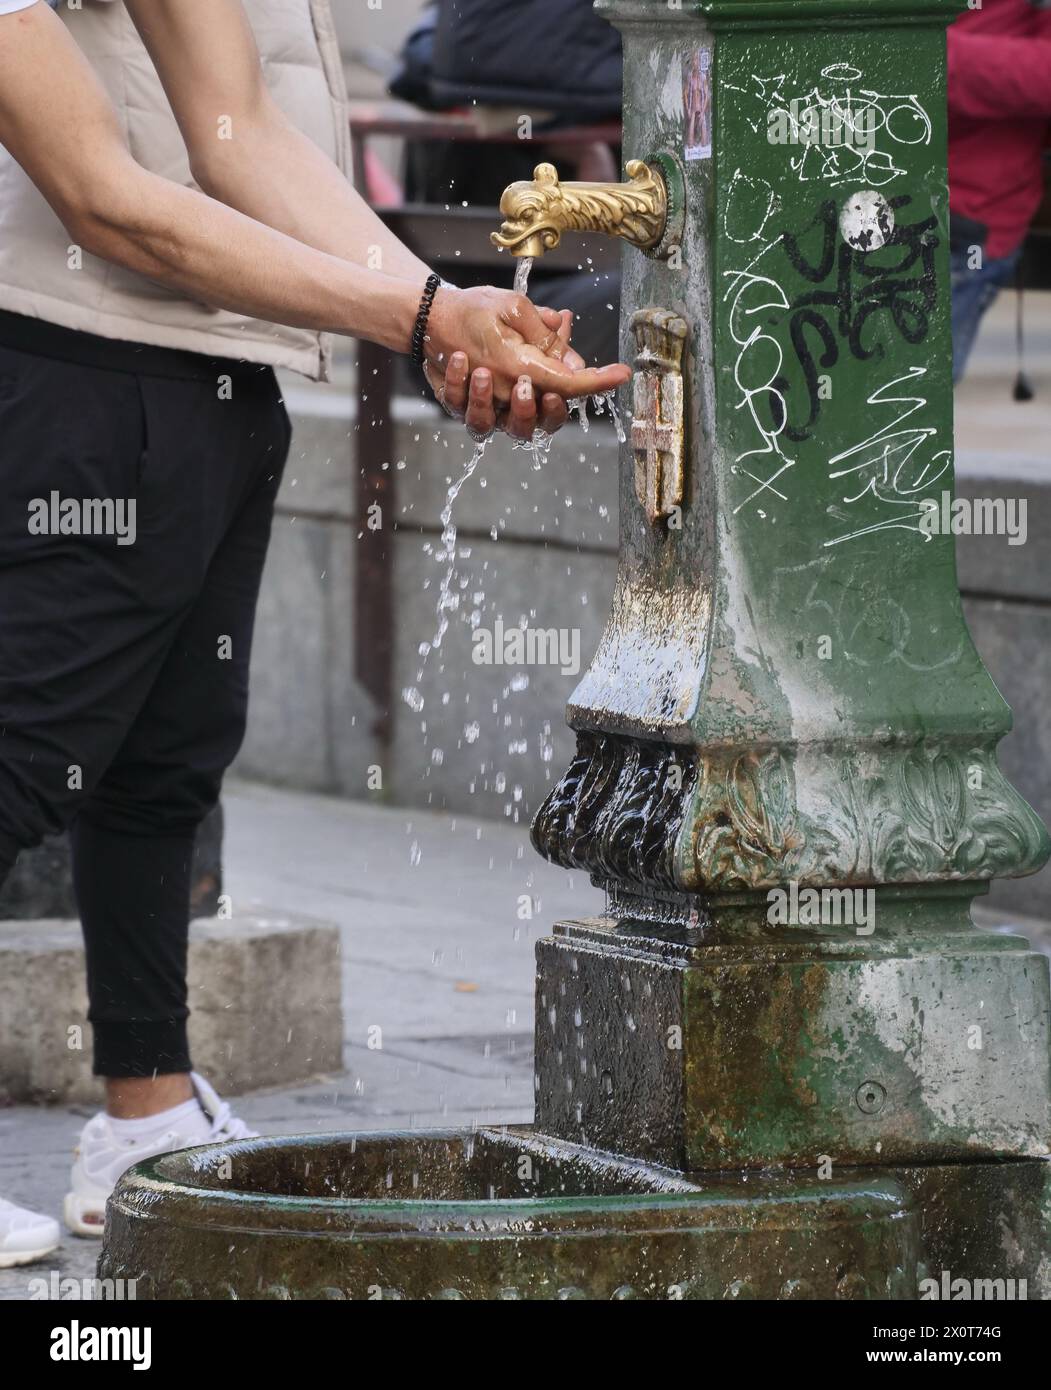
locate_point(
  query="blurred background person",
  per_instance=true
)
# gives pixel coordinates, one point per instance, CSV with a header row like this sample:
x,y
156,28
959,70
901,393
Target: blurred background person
x,y
999,120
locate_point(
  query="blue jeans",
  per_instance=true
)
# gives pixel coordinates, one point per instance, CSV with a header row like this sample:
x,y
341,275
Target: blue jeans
x,y
973,291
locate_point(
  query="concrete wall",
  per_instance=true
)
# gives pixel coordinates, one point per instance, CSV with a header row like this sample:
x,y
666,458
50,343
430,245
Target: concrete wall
x,y
553,561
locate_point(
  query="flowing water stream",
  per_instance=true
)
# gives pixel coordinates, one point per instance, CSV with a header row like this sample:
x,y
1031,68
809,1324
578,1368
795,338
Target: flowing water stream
x,y
451,586
522,273
448,602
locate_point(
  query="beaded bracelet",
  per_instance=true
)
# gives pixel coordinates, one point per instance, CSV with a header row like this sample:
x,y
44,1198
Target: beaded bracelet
x,y
419,331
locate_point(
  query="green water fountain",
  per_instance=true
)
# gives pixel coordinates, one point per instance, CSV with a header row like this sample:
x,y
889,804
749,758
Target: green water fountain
x,y
785,1064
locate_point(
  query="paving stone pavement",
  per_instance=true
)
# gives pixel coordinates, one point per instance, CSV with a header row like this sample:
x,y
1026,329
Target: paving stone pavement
x,y
434,955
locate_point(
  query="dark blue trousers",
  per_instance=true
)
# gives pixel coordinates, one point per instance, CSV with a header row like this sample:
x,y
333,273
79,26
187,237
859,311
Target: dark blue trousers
x,y
124,650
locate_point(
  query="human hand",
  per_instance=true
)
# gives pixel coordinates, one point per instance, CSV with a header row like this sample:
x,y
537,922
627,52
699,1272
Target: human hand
x,y
506,335
468,395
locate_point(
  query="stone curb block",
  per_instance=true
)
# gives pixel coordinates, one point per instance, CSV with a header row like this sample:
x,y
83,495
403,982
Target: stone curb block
x,y
265,998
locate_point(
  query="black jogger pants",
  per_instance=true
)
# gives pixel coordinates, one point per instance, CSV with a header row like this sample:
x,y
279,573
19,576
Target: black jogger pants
x,y
137,488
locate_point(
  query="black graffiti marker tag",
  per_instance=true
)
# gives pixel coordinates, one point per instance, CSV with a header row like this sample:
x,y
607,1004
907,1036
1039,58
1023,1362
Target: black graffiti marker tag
x,y
852,297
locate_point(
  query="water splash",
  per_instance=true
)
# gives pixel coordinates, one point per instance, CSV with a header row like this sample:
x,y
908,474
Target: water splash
x,y
601,403
540,444
448,553
609,400
539,447
578,407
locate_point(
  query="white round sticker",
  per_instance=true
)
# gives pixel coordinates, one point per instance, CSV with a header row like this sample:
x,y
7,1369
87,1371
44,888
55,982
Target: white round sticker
x,y
867,221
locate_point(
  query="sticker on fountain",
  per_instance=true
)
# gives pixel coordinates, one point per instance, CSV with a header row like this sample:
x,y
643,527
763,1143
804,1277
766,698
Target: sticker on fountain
x,y
697,102
658,425
867,221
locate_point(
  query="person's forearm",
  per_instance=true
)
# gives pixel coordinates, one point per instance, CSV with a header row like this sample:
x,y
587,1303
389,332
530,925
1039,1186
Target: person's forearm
x,y
219,256
274,173
55,119
207,58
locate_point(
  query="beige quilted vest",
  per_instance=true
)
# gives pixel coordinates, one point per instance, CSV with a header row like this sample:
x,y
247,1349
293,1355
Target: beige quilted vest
x,y
300,53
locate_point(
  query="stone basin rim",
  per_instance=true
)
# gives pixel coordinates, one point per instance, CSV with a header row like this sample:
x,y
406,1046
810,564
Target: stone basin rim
x,y
775,1199
453,1219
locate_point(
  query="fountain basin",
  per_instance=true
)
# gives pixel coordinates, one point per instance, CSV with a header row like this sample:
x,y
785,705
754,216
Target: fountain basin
x,y
495,1214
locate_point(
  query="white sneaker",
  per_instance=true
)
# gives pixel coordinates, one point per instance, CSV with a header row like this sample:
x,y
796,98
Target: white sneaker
x,y
108,1147
24,1235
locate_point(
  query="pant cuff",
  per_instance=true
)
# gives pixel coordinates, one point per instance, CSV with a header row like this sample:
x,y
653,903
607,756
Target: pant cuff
x,y
9,852
141,1049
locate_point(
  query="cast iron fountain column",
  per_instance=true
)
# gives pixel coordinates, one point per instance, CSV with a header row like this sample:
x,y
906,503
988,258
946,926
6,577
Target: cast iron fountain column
x,y
786,692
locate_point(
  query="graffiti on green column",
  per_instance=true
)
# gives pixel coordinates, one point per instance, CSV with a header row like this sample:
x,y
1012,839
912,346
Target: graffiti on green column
x,y
840,131
826,296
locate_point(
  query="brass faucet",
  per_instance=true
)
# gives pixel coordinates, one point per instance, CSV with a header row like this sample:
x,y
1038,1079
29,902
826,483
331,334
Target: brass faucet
x,y
537,213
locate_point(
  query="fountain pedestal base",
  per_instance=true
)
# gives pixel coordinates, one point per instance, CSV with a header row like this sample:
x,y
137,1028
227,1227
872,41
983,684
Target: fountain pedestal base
x,y
721,1113
738,1045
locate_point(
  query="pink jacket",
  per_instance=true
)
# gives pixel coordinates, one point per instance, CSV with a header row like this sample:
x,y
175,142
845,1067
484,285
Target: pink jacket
x,y
999,116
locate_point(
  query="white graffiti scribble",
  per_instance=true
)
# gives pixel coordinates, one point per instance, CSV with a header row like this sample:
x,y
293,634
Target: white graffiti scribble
x,y
876,632
760,355
890,465
879,121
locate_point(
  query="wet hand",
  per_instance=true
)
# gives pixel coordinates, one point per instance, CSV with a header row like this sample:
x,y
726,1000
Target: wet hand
x,y
508,336
469,397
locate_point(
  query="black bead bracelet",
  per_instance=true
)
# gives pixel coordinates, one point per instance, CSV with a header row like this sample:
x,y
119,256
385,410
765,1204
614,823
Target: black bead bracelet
x,y
419,331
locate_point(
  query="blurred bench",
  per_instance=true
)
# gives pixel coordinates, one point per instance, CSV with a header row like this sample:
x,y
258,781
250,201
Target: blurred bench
x,y
442,237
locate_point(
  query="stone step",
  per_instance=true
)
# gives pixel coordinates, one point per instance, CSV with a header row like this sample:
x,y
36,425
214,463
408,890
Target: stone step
x,y
265,997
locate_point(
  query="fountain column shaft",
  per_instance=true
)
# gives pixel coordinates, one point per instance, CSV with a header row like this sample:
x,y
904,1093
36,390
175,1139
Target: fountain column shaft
x,y
786,697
